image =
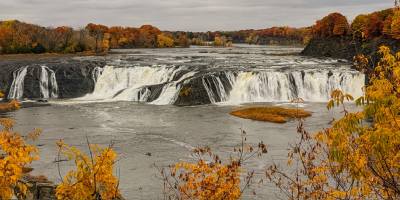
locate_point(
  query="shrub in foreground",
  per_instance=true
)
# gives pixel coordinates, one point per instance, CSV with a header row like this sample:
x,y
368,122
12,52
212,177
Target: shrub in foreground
x,y
93,178
15,156
352,159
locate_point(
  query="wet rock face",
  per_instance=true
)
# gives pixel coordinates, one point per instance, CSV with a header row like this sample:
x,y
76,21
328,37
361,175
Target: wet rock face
x,y
336,47
347,48
193,93
74,77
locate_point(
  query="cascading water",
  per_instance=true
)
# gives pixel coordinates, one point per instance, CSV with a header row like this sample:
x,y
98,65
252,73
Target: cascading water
x,y
96,73
17,86
217,91
48,83
275,86
128,83
170,91
227,87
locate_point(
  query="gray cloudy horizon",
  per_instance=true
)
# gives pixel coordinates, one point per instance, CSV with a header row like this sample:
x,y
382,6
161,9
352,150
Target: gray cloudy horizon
x,y
184,15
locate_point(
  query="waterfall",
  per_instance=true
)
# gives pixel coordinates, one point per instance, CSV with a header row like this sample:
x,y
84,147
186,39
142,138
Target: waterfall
x,y
276,86
159,85
170,91
17,85
127,83
96,73
217,91
48,83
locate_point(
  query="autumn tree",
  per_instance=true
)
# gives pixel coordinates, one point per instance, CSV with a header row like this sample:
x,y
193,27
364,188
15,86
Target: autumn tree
x,y
93,178
353,158
64,34
164,41
182,40
15,155
376,24
395,26
209,177
148,36
97,31
335,24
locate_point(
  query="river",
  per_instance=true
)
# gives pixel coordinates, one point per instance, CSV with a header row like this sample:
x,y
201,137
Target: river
x,y
149,130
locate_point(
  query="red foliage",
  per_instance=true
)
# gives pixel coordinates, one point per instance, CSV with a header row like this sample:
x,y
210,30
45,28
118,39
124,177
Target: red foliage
x,y
335,24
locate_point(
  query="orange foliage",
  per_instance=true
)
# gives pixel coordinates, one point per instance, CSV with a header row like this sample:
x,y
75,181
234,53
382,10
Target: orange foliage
x,y
376,24
10,106
93,177
271,114
335,24
209,177
15,156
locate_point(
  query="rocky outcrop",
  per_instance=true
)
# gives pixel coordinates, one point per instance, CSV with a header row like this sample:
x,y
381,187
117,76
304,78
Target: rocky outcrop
x,y
39,188
347,48
74,77
335,47
204,89
193,93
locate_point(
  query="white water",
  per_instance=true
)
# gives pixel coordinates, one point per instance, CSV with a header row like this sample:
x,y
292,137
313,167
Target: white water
x,y
47,83
130,84
48,89
274,86
17,86
170,92
126,83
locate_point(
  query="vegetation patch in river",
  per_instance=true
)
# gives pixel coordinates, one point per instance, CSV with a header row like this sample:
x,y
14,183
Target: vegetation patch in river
x,y
271,114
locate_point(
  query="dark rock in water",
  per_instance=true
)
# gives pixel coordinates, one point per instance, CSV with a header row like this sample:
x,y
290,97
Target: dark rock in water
x,y
195,93
155,91
74,77
31,82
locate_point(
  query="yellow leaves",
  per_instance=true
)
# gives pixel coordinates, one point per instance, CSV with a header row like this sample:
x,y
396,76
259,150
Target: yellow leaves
x,y
208,181
15,155
93,176
338,97
10,106
358,157
164,41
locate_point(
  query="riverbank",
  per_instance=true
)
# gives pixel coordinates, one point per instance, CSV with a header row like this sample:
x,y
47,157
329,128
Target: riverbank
x,y
44,56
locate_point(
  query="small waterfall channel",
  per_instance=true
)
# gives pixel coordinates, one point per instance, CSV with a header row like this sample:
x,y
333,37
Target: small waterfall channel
x,y
47,83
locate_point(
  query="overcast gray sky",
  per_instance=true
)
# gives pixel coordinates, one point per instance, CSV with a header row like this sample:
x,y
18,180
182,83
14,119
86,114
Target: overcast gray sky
x,y
187,15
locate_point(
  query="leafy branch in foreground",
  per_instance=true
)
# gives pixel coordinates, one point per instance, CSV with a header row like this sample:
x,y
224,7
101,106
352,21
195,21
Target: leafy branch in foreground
x,y
93,178
15,156
209,177
354,158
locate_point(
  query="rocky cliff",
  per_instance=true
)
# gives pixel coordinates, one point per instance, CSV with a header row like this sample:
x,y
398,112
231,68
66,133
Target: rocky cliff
x,y
63,78
347,48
